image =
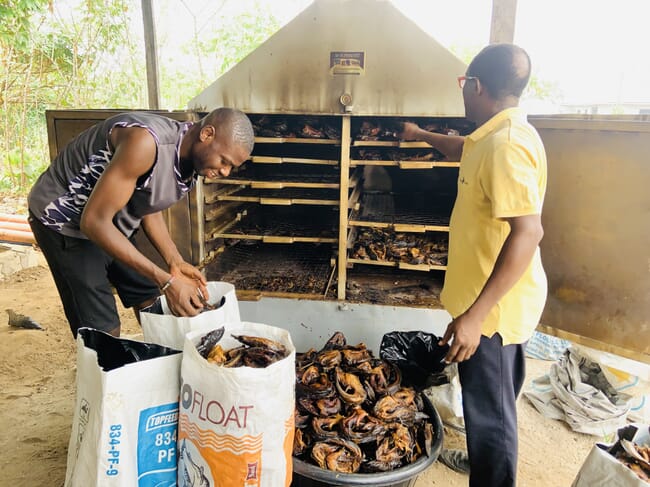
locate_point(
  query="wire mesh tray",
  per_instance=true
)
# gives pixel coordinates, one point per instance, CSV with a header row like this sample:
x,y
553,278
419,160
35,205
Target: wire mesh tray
x,y
288,196
274,270
416,212
283,176
283,225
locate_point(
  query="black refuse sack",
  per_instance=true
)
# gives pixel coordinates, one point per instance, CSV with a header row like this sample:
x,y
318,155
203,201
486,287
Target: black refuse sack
x,y
113,352
416,353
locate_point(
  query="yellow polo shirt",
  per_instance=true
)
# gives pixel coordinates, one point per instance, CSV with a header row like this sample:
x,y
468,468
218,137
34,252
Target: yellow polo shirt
x,y
502,174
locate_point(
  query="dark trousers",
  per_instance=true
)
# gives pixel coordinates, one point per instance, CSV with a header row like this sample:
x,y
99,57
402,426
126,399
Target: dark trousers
x,y
491,381
85,276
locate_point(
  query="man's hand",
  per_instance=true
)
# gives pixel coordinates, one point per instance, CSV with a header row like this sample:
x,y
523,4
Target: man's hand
x,y
188,293
183,296
466,333
409,131
191,272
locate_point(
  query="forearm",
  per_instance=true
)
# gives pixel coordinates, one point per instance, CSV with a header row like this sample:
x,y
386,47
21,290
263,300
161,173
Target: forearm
x,y
450,145
514,258
156,229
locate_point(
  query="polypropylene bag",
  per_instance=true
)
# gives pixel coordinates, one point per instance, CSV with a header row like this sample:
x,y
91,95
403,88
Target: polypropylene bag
x,y
169,330
236,425
601,468
416,353
125,420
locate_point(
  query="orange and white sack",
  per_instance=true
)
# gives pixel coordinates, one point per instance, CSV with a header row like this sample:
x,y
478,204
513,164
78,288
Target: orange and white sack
x,y
236,425
169,330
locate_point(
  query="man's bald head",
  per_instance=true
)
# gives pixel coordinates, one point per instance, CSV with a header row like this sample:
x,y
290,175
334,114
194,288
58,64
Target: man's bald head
x,y
234,121
503,69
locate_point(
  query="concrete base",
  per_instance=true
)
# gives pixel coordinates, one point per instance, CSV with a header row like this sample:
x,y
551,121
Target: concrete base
x,y
14,258
311,323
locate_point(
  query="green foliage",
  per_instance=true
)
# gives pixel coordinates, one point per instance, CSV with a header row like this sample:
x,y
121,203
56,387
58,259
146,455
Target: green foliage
x,y
16,22
60,54
239,38
57,54
214,52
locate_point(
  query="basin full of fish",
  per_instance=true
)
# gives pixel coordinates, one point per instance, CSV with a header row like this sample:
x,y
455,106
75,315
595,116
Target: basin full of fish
x,y
256,352
352,413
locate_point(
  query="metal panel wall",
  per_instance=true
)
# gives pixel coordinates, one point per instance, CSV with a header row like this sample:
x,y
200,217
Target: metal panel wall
x,y
403,69
596,247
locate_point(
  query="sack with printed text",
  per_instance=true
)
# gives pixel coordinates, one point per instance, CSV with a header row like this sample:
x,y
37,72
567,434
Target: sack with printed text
x,y
236,410
126,414
164,328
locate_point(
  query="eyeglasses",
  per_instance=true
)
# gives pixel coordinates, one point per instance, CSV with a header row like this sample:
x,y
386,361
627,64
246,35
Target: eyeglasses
x,y
463,79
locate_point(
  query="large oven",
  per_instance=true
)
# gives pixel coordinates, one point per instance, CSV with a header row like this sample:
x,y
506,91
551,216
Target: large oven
x,y
332,205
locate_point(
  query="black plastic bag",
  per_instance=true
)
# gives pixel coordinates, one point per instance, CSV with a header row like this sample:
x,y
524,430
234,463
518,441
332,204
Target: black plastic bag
x,y
113,353
417,354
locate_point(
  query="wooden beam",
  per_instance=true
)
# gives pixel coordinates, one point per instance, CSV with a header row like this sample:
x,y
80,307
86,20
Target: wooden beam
x,y
151,53
502,28
343,208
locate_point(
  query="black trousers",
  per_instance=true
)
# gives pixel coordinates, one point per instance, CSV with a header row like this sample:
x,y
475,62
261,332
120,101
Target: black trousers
x,y
491,381
85,276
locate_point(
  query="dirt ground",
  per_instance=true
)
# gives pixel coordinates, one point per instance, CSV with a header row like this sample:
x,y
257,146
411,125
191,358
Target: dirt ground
x,y
37,388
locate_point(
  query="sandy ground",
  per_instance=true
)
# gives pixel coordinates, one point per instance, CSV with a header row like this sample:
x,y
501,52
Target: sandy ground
x,y
37,387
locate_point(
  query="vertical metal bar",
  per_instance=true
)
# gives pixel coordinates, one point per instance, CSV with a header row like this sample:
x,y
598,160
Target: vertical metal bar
x,y
343,208
502,28
197,223
151,53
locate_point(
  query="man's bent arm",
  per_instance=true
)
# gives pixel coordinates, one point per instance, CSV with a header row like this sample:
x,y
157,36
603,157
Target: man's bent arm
x,y
450,145
514,258
133,157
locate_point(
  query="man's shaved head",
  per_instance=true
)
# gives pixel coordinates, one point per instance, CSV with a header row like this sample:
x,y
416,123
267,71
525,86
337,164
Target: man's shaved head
x,y
236,121
503,69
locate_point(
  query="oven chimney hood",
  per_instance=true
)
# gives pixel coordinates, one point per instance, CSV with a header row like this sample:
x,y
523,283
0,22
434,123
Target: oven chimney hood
x,y
361,57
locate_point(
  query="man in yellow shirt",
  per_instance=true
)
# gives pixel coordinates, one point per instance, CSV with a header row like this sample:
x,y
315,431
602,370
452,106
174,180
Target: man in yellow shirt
x,y
495,286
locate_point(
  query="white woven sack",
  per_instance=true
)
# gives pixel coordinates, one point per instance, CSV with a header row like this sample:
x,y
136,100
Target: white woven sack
x,y
236,425
170,330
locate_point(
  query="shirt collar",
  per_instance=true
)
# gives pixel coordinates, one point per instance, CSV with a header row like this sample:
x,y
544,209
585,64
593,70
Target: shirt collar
x,y
495,121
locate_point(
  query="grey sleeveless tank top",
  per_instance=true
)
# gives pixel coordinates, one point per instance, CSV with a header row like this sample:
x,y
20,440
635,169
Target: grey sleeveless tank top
x,y
60,194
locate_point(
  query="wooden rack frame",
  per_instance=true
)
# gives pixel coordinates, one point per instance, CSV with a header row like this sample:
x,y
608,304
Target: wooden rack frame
x,y
349,201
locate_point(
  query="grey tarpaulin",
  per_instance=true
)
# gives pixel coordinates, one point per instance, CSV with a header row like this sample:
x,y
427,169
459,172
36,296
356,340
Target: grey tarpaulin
x,y
576,390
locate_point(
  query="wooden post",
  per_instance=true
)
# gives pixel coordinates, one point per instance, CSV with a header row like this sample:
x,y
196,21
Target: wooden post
x,y
502,28
151,52
343,208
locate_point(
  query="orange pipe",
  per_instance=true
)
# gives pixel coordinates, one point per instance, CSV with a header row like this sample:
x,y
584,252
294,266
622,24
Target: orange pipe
x,y
16,236
6,217
16,226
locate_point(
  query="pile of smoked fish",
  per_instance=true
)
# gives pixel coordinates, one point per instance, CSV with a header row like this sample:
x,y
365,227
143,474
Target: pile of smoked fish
x,y
635,457
352,413
390,129
410,248
256,352
302,127
394,155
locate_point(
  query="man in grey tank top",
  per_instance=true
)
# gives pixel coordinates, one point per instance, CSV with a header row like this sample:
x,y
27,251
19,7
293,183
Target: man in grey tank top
x,y
112,179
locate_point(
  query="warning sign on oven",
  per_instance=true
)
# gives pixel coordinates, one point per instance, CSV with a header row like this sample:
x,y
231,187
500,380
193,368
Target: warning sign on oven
x,y
347,62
